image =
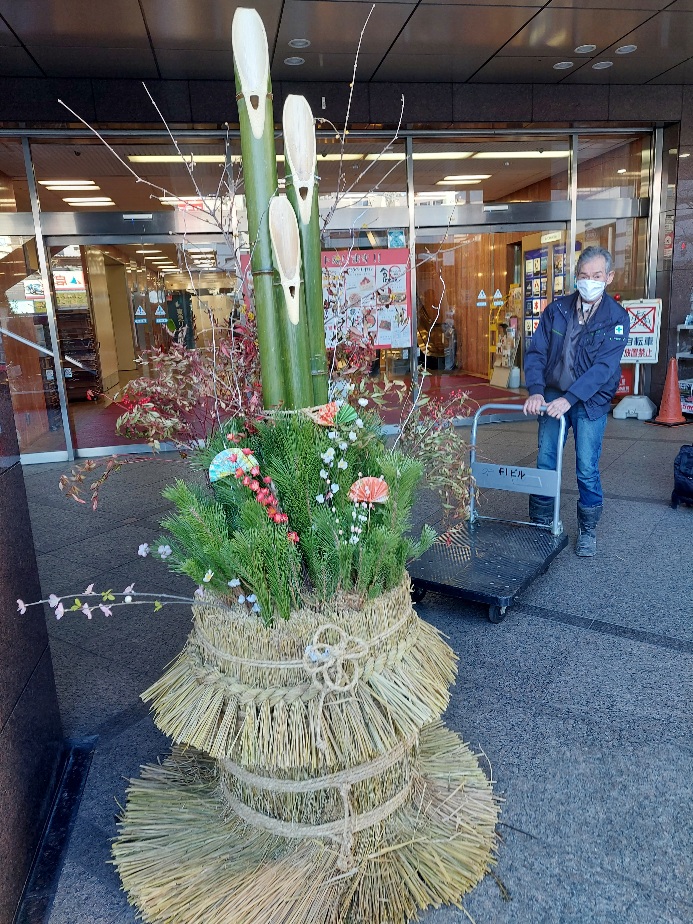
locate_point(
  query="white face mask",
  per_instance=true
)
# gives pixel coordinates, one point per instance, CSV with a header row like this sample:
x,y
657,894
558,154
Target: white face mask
x,y
590,289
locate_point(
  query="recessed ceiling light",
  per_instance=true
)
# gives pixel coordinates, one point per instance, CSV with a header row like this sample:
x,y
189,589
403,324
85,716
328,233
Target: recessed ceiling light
x,y
299,43
683,155
621,170
626,49
562,65
294,61
585,49
602,65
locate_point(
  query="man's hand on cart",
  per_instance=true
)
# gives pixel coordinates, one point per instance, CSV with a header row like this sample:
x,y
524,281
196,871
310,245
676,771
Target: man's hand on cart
x,y
558,407
533,404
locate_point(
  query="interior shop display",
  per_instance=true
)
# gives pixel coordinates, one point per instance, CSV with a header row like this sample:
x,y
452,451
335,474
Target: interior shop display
x,y
76,330
684,362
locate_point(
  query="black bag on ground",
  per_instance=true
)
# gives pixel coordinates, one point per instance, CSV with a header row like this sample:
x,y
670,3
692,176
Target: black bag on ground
x,y
683,477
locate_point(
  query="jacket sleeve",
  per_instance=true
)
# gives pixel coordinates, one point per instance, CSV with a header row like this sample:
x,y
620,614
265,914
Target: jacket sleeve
x,y
605,366
536,355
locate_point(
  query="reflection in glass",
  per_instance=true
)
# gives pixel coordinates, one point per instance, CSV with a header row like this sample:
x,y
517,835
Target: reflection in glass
x,y
626,241
613,167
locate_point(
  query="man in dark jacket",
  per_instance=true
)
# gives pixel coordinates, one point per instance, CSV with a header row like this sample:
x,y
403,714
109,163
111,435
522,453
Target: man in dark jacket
x,y
572,365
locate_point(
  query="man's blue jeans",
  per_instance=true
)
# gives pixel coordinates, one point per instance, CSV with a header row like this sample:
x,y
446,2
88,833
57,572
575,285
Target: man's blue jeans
x,y
588,435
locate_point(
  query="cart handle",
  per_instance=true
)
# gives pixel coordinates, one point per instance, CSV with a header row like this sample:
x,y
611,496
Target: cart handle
x,y
559,456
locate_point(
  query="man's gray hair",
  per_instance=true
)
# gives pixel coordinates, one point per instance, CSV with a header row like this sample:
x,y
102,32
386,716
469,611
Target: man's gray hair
x,y
589,253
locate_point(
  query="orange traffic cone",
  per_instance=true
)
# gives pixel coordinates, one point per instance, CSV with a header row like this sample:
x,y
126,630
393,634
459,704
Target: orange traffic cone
x,y
670,409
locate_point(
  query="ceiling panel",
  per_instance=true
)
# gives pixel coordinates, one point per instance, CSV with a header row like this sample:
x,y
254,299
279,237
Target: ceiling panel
x,y
682,6
469,33
560,31
522,69
325,67
202,24
663,42
114,23
90,61
336,27
651,5
6,36
682,73
197,64
15,62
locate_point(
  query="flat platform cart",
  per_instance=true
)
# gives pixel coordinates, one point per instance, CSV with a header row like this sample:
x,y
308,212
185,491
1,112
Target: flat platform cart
x,y
487,559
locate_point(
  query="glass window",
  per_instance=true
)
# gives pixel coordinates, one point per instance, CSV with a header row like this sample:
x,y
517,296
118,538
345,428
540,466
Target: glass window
x,y
626,241
25,349
14,190
459,172
613,167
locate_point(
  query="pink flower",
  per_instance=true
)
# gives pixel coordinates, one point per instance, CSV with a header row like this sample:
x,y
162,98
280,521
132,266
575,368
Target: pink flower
x,y
267,479
89,592
21,607
53,601
129,589
106,610
254,485
233,457
246,481
246,452
59,610
86,609
255,470
292,536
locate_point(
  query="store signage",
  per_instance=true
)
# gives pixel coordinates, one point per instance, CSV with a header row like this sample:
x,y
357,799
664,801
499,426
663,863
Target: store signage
x,y
551,237
140,312
368,291
643,340
68,280
481,299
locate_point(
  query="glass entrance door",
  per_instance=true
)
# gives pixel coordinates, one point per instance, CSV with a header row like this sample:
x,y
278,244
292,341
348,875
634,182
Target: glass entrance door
x,y
117,303
480,294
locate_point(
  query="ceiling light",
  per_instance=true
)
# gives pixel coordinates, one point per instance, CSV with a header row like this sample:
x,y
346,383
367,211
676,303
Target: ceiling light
x,y
88,200
457,182
66,183
602,65
626,49
294,61
683,155
621,170
585,49
181,158
562,65
71,187
470,176
422,155
516,155
149,251
299,43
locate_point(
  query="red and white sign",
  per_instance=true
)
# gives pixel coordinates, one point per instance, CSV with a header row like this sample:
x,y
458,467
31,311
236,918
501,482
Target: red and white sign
x,y
626,383
68,280
643,340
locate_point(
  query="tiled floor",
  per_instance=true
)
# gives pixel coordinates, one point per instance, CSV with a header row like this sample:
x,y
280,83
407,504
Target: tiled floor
x,y
579,700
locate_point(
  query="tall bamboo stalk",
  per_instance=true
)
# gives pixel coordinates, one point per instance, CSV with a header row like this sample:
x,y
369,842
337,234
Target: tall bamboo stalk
x,y
286,246
254,94
302,190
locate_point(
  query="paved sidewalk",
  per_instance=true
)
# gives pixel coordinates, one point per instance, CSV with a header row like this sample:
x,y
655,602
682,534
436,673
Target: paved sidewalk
x,y
580,700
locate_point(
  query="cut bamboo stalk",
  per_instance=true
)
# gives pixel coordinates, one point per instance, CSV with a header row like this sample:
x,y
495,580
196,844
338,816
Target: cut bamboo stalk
x,y
302,190
286,246
254,94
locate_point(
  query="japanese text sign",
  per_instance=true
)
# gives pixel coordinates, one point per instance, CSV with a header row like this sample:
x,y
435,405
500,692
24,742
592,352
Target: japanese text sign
x,y
643,341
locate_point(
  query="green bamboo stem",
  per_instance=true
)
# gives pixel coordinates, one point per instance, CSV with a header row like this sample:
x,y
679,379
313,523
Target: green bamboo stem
x,y
289,298
302,192
260,181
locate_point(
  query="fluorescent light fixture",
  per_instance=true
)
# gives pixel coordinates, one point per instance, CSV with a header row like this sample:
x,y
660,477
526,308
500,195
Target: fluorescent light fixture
x,y
683,155
626,49
422,155
621,170
149,251
457,182
562,65
469,176
67,183
181,158
585,49
89,202
71,187
518,155
602,65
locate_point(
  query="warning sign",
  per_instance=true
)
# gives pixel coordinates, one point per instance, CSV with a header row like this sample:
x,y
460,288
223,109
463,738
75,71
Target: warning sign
x,y
481,299
160,312
643,340
140,312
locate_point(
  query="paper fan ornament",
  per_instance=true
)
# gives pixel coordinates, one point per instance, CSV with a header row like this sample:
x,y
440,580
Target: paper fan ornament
x,y
227,461
369,490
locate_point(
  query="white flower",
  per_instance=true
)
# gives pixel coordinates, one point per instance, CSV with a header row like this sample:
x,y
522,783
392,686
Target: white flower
x,y
354,540
362,518
53,601
359,423
342,464
332,435
241,599
324,474
234,582
334,487
320,498
352,435
165,551
343,446
143,550
328,455
251,598
208,577
363,402
256,607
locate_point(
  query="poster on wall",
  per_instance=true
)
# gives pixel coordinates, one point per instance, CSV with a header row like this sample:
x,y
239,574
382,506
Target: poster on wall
x,y
536,284
367,291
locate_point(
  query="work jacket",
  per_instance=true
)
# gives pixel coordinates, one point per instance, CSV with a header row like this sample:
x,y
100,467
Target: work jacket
x,y
598,354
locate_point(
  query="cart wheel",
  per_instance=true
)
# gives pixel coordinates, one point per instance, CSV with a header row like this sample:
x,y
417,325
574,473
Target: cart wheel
x,y
417,593
496,613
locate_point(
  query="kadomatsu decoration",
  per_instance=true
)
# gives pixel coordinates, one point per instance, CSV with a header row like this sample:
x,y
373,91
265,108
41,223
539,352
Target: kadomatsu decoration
x,y
311,779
